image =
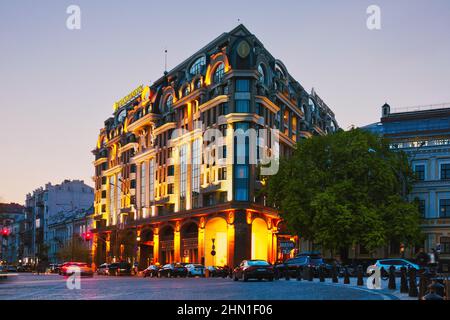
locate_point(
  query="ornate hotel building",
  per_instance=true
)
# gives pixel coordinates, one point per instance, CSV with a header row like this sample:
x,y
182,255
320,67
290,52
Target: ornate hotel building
x,y
157,200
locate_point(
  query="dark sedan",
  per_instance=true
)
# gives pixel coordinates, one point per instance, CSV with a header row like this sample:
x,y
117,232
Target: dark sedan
x,y
173,270
119,269
218,272
297,264
253,269
151,271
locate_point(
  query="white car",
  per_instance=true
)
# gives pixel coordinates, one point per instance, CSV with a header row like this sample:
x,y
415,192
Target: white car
x,y
195,270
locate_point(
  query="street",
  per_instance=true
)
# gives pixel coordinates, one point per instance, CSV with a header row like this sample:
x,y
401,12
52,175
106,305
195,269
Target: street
x,y
53,287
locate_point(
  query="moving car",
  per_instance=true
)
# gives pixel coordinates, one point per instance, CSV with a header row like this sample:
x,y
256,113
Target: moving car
x,y
151,271
253,269
120,269
173,270
103,269
195,270
385,264
85,270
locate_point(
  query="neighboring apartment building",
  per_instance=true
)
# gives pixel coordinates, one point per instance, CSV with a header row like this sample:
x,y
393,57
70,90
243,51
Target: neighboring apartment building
x,y
42,206
424,134
11,216
157,199
64,227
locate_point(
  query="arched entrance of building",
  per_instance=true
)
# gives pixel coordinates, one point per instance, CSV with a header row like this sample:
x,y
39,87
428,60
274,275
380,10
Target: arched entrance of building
x,y
189,243
146,248
259,239
216,229
127,246
166,244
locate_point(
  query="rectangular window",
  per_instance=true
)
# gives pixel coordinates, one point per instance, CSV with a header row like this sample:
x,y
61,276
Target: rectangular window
x,y
111,200
119,193
242,85
151,181
196,163
445,171
242,106
222,174
142,184
241,182
419,171
445,245
444,208
183,176
422,208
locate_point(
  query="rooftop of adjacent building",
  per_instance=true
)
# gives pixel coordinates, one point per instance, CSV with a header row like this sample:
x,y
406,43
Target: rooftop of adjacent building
x,y
66,185
427,120
11,208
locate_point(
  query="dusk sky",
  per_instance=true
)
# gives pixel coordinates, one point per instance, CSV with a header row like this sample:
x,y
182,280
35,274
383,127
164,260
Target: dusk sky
x,y
57,86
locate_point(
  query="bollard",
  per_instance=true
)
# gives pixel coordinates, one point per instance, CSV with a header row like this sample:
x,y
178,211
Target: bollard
x,y
310,273
424,282
392,285
403,281
334,274
299,274
286,275
321,274
277,274
360,276
346,276
412,283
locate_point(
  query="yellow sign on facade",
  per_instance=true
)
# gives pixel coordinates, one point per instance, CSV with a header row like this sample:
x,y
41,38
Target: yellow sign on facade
x,y
134,94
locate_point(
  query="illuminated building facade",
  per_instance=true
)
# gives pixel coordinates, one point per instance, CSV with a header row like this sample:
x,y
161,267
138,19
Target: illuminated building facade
x,y
158,199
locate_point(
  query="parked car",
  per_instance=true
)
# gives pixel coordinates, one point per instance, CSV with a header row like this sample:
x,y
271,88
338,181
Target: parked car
x,y
24,268
253,269
151,271
293,265
219,272
85,270
11,269
385,264
195,270
120,269
172,270
103,269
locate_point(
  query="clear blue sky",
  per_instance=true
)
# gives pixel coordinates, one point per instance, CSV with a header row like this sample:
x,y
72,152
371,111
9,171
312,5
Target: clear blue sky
x,y
58,86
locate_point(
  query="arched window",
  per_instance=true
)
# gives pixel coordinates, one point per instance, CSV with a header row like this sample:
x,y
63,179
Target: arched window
x,y
196,67
262,74
198,84
219,73
168,104
312,105
186,91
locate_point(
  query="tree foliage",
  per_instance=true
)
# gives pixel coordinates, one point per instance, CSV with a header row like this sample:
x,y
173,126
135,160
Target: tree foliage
x,y
345,189
74,249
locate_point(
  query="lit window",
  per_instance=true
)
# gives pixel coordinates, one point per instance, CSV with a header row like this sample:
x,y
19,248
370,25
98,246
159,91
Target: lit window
x,y
197,66
143,178
151,184
219,73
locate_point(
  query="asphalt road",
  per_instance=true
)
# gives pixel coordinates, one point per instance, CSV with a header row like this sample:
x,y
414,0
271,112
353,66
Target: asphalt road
x,y
53,287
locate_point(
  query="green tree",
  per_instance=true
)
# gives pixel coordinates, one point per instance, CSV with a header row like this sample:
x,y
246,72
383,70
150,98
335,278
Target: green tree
x,y
75,250
345,189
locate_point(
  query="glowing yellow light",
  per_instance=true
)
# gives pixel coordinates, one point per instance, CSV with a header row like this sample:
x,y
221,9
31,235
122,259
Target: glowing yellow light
x,y
259,239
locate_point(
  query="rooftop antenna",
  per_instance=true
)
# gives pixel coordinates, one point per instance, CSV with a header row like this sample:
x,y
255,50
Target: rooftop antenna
x,y
165,60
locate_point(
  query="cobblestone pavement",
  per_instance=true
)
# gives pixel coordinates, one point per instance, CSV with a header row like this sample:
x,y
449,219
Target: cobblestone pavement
x,y
53,287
